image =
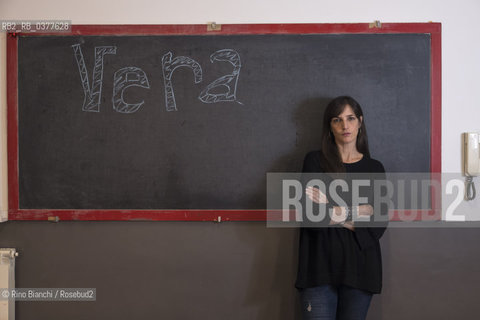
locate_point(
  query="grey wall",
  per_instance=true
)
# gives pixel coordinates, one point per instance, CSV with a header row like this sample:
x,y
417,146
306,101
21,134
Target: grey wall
x,y
232,270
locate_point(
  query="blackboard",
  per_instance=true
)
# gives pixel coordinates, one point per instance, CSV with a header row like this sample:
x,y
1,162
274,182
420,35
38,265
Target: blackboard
x,y
126,124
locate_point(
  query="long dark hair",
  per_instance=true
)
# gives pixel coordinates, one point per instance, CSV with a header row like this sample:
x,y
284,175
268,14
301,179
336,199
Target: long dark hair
x,y
332,162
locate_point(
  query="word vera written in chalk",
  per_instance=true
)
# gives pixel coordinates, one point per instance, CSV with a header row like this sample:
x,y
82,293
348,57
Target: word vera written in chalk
x,y
133,76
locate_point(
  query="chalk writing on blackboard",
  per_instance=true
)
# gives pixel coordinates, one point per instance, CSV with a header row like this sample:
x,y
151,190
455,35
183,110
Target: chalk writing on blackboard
x,y
124,78
91,101
230,81
133,76
168,66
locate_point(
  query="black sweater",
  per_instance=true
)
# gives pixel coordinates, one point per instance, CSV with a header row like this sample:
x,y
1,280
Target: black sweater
x,y
336,255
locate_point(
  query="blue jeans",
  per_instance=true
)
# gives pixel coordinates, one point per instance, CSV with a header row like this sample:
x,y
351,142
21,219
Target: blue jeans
x,y
330,302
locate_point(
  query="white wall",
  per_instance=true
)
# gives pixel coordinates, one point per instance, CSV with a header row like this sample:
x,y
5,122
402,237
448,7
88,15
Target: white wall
x,y
460,37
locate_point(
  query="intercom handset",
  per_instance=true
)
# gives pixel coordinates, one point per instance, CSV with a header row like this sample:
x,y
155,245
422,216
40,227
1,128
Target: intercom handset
x,y
471,160
471,154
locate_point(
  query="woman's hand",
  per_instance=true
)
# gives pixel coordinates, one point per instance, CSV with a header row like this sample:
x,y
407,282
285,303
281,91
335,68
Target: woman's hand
x,y
316,195
339,215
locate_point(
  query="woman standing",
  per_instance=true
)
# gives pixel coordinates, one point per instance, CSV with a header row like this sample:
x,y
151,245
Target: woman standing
x,y
340,265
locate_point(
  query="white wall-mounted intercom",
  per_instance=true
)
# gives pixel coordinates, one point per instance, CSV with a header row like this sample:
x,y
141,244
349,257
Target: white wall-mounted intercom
x,y
471,160
471,154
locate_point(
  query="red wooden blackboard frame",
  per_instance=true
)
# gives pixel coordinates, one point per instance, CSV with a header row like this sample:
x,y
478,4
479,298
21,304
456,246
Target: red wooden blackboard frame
x,y
15,213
